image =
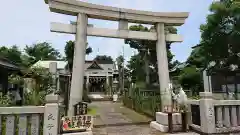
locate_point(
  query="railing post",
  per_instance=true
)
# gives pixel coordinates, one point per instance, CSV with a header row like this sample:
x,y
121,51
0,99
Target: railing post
x,y
207,113
51,115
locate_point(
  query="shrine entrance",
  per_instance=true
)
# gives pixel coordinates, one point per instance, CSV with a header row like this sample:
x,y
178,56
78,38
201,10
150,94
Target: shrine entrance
x,y
97,84
83,11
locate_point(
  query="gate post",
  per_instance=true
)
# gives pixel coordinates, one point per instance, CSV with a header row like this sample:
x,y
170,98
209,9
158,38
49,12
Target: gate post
x,y
207,113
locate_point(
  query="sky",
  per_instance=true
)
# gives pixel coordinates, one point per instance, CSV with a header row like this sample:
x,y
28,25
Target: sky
x,y
24,22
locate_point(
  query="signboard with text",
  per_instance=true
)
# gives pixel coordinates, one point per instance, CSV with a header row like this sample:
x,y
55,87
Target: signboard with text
x,y
78,123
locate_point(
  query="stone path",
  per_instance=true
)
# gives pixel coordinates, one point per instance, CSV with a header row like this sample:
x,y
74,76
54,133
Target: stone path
x,y
114,119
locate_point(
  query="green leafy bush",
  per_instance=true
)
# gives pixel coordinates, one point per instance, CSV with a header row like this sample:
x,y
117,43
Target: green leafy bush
x,y
5,100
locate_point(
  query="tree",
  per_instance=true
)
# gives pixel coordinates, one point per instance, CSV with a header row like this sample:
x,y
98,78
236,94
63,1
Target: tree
x,y
69,52
191,78
220,43
147,50
197,57
221,34
136,66
120,62
103,59
43,86
41,51
12,53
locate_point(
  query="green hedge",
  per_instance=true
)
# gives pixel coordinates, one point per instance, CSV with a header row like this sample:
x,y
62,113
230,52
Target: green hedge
x,y
147,104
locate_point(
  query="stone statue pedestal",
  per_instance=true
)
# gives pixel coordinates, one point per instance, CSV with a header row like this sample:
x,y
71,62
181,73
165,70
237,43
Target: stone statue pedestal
x,y
161,123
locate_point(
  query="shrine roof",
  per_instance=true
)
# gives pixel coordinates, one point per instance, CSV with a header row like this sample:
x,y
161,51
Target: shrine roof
x,y
99,62
45,64
62,64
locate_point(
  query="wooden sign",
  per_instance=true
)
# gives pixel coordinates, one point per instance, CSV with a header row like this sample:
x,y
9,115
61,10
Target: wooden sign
x,y
78,123
80,108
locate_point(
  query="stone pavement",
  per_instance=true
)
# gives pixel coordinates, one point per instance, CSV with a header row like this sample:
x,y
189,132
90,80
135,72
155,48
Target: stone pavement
x,y
114,119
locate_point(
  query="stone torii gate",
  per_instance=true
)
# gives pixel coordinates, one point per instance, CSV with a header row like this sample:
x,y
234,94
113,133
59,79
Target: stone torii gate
x,y
84,10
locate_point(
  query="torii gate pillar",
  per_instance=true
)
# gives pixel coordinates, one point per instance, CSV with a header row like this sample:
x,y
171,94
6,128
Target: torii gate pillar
x,y
76,92
163,71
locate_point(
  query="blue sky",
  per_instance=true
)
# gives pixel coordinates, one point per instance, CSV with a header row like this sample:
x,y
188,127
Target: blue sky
x,y
24,22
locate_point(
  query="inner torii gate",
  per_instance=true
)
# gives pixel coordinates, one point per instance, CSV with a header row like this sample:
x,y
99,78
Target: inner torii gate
x,y
84,10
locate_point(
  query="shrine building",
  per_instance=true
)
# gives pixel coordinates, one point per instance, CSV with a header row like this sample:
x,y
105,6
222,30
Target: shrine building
x,y
100,77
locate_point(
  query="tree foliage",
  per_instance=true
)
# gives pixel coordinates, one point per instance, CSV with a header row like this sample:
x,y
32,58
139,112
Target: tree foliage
x,y
136,66
120,62
103,59
69,52
12,53
191,79
221,34
41,51
31,54
147,53
220,38
197,57
43,86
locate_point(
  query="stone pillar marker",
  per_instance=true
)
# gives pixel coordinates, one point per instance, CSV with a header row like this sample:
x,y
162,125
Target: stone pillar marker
x,y
163,71
207,82
51,116
207,112
53,71
87,83
76,90
107,79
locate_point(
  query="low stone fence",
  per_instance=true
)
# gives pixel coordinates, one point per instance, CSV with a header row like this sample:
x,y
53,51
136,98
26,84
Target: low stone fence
x,y
34,120
214,116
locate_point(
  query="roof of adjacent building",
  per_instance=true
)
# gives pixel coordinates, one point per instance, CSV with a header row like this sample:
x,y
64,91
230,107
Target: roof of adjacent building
x,y
45,64
6,63
179,66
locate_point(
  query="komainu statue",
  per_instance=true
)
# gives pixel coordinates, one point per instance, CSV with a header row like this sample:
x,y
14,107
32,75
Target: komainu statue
x,y
179,99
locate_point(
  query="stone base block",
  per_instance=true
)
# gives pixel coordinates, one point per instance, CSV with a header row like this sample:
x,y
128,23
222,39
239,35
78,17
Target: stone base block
x,y
80,133
162,118
161,123
164,128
